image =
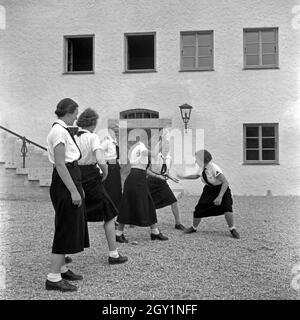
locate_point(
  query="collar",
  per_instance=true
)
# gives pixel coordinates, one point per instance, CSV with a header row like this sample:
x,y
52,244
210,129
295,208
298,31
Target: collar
x,y
62,123
84,130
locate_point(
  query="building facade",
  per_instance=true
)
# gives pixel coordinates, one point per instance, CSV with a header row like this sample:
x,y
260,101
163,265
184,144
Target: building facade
x,y
236,62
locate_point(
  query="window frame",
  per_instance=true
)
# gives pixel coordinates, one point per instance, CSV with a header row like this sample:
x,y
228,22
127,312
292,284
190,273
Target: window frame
x,y
182,33
276,136
65,46
260,66
126,70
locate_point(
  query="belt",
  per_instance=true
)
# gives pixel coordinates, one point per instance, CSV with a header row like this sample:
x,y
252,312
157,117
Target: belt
x,y
115,161
70,164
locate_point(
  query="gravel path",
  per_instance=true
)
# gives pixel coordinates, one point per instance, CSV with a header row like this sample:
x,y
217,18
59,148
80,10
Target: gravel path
x,y
208,264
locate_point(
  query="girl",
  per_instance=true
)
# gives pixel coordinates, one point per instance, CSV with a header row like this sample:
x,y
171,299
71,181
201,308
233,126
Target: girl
x,y
137,207
71,234
158,172
99,205
112,183
216,197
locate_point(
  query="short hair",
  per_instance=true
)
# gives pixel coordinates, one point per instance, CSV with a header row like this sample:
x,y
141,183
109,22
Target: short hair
x,y
87,118
204,154
65,106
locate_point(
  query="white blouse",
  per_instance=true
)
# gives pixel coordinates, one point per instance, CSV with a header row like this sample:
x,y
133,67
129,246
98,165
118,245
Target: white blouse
x,y
108,145
58,134
212,171
137,156
88,143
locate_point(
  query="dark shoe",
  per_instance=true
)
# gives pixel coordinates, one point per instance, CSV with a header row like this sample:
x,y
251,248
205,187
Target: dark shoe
x,y
159,236
121,239
120,259
180,227
61,285
190,230
71,276
235,234
68,260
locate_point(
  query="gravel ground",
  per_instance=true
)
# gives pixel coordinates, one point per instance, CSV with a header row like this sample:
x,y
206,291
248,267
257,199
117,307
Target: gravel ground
x,y
208,264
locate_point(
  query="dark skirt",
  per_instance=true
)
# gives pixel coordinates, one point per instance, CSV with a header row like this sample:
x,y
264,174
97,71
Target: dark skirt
x,y
206,207
161,193
137,207
71,232
113,183
99,205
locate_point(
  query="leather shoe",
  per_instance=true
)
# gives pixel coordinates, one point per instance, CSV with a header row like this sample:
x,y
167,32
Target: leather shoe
x,y
235,234
61,285
120,259
121,239
180,227
190,230
68,260
159,236
71,276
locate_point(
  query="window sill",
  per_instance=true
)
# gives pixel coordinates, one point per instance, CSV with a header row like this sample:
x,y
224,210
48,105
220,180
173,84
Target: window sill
x,y
260,163
260,68
196,70
140,71
79,72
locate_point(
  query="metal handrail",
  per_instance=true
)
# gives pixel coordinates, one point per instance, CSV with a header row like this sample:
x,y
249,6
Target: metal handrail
x,y
24,149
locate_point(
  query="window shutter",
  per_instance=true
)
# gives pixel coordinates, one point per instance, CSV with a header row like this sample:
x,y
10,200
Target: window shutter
x,y
269,47
251,48
188,51
205,50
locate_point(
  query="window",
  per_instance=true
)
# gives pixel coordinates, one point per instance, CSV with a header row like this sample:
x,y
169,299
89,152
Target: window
x,y
140,52
197,50
261,48
139,114
79,54
261,143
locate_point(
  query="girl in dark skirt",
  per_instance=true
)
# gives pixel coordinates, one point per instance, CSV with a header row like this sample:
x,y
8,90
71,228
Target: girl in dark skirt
x,y
137,207
158,173
99,205
71,234
216,197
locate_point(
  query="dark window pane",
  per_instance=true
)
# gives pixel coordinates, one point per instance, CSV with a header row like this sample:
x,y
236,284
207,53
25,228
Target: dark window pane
x,y
139,115
268,131
268,143
252,155
189,51
140,52
204,51
268,154
251,143
204,39
146,115
131,116
252,132
80,54
268,48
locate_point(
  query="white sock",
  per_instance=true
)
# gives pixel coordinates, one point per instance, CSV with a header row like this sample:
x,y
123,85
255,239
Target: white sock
x,y
231,228
54,277
119,233
155,231
64,269
114,254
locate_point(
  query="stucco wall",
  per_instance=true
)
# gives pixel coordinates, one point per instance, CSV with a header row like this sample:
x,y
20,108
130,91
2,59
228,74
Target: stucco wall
x,y
31,79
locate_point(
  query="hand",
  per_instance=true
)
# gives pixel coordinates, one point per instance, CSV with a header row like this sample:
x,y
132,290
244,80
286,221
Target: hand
x,y
76,198
218,200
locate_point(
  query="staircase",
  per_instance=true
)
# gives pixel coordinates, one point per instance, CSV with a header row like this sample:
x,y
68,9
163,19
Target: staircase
x,y
38,169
